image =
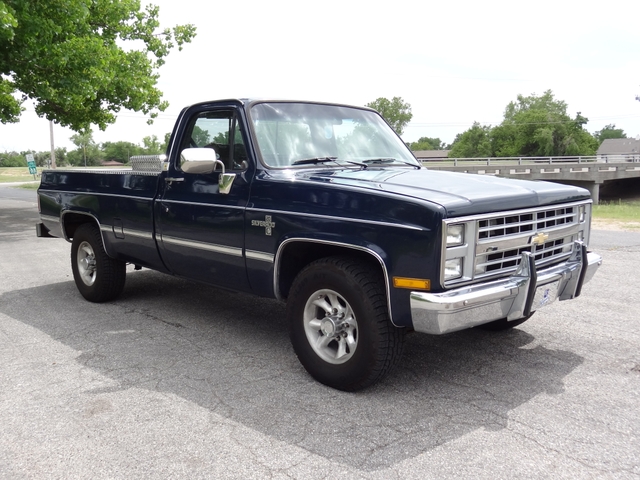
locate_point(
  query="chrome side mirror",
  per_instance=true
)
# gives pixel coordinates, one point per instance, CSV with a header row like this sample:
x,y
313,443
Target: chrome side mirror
x,y
204,161
199,160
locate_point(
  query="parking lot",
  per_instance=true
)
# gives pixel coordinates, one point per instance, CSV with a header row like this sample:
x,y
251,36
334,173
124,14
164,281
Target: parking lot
x,y
180,380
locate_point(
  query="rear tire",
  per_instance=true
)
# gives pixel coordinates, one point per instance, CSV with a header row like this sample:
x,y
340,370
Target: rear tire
x,y
99,278
339,324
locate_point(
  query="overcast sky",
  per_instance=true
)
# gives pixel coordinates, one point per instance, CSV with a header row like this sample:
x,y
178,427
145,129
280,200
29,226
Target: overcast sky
x,y
454,62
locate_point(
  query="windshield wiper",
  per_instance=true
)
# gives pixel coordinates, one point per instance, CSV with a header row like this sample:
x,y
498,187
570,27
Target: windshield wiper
x,y
314,161
362,163
317,160
388,160
379,160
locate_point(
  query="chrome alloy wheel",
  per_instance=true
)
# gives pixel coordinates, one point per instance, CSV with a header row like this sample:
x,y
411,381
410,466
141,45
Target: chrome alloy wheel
x,y
86,263
330,326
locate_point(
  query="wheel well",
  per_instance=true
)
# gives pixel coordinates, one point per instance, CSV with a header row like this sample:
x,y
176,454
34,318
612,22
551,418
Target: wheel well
x,y
71,222
297,255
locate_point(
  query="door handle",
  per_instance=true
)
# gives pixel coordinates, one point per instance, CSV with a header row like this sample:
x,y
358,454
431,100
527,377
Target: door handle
x,y
171,179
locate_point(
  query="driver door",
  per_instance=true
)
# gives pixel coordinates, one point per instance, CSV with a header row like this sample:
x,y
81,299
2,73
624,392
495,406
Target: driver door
x,y
201,228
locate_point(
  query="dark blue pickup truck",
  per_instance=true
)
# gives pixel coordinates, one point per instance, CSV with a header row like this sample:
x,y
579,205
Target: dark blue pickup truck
x,y
323,206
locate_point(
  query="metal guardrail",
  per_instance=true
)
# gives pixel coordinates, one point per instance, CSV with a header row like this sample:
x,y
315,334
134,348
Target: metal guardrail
x,y
532,160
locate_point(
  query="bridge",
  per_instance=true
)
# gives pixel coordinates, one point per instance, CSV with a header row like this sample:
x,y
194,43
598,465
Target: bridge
x,y
588,172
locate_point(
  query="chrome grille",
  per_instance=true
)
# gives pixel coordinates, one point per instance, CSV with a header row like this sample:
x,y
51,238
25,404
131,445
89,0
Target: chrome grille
x,y
503,239
494,243
556,250
525,222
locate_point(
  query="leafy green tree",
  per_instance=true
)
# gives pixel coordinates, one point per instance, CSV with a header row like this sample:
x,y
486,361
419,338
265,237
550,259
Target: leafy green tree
x,y
90,152
75,158
533,126
609,131
15,159
81,61
475,142
151,145
43,159
83,141
536,126
12,159
395,111
120,151
165,144
61,156
427,143
201,136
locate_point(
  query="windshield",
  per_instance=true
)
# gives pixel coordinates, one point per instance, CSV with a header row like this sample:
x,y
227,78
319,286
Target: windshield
x,y
292,134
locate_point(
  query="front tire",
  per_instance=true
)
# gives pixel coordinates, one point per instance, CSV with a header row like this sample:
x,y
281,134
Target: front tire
x,y
339,324
99,278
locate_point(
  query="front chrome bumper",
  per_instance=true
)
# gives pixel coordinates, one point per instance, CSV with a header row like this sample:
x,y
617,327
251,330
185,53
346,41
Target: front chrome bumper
x,y
515,297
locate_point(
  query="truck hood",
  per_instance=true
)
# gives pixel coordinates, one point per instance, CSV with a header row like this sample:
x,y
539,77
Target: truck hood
x,y
458,193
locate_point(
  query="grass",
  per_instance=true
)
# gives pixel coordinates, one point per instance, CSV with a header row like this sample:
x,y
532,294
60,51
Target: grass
x,y
15,174
21,174
621,211
16,178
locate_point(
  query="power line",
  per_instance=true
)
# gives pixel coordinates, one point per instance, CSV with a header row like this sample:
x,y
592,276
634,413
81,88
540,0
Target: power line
x,y
160,116
464,123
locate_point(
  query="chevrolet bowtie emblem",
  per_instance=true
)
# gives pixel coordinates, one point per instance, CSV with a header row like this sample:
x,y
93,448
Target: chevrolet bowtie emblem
x,y
539,238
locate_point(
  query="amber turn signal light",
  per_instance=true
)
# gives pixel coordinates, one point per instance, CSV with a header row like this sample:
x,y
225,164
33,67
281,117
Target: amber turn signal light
x,y
415,283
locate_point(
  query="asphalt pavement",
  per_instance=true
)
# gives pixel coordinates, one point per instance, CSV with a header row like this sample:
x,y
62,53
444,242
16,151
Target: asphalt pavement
x,y
183,381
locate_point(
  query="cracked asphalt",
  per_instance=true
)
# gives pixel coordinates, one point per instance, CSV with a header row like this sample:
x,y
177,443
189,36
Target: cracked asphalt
x,y
179,380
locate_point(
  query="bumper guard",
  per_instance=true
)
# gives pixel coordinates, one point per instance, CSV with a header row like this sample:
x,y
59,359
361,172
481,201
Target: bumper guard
x,y
515,297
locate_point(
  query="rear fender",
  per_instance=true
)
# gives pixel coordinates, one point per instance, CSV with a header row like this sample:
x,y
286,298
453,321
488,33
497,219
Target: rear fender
x,y
70,220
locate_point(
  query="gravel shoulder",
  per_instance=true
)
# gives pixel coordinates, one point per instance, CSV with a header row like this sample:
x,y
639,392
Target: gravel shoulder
x,y
614,225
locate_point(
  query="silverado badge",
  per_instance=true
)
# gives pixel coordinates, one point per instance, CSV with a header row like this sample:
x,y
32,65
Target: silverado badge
x,y
266,223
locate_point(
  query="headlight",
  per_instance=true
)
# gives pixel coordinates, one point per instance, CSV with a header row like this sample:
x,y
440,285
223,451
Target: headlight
x,y
455,235
452,269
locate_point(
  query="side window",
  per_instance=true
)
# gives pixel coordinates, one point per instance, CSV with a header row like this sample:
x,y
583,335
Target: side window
x,y
220,131
240,161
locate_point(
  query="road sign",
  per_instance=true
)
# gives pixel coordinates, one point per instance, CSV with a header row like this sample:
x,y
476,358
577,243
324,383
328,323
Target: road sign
x,y
31,163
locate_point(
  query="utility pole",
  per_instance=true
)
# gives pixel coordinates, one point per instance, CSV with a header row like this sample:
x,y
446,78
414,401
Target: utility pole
x,y
53,150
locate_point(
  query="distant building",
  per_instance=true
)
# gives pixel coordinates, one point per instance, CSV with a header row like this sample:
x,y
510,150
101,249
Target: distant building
x,y
111,163
430,155
619,148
